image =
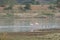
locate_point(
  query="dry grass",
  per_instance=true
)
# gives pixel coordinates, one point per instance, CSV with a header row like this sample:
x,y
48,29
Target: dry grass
x,y
52,36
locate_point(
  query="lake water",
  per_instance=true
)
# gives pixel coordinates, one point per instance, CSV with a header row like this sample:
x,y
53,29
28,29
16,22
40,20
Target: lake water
x,y
28,24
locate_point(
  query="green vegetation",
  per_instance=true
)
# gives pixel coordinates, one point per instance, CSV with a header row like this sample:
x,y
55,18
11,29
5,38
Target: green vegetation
x,y
52,7
3,2
27,7
58,3
35,2
8,8
48,14
9,15
9,2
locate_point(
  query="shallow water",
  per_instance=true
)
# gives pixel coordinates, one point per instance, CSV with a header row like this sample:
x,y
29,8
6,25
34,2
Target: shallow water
x,y
28,24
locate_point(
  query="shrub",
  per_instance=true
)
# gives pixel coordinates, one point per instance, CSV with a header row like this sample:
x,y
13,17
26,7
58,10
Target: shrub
x,y
51,7
8,8
27,7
